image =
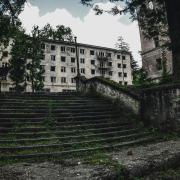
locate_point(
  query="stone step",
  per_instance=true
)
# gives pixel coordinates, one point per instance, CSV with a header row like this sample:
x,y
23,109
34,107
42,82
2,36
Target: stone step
x,y
40,122
22,95
79,151
72,138
60,105
49,101
17,101
64,132
66,127
57,118
62,112
73,144
67,106
58,114
55,109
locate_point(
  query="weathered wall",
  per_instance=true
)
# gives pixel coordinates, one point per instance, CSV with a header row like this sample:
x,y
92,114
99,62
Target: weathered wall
x,y
105,89
158,106
150,65
161,107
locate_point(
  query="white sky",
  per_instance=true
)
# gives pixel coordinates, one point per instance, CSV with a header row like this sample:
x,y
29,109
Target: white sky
x,y
100,30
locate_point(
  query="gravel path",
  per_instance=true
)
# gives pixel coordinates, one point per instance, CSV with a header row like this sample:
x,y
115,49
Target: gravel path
x,y
136,161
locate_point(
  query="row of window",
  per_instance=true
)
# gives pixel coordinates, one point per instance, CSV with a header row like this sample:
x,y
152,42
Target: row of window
x,y
125,83
82,70
63,79
82,51
118,65
63,69
73,50
119,74
73,70
82,61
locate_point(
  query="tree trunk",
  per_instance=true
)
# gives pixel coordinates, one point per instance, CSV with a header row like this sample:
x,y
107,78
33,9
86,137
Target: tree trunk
x,y
173,16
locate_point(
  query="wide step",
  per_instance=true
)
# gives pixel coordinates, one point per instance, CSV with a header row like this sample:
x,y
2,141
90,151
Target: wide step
x,y
49,125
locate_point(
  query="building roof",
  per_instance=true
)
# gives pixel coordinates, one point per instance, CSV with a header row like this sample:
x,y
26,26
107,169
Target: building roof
x,y
86,45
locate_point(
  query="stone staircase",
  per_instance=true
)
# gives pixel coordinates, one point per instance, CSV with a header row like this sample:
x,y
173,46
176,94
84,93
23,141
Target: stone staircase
x,y
62,124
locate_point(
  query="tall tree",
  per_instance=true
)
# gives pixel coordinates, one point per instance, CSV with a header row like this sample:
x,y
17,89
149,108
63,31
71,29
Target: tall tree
x,y
63,33
154,20
9,22
60,33
18,61
122,45
35,70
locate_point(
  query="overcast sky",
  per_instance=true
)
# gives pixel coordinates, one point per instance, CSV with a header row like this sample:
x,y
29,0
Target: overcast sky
x,y
89,28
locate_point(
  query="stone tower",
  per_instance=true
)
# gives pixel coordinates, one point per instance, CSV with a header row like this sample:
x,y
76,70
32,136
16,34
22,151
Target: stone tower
x,y
155,58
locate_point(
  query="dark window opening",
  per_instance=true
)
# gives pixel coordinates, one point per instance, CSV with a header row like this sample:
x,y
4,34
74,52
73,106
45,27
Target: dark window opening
x,y
156,41
63,69
63,59
125,74
110,73
110,63
120,74
73,50
82,61
63,49
119,65
53,57
108,54
53,47
92,71
63,79
81,51
91,52
92,62
53,79
123,57
53,68
73,70
72,60
159,64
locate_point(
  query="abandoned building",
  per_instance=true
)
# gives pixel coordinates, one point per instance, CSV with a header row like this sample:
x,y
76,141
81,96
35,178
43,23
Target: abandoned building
x,y
60,65
156,58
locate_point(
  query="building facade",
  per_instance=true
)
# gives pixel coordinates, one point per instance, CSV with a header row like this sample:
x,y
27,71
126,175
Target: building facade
x,y
60,65
155,57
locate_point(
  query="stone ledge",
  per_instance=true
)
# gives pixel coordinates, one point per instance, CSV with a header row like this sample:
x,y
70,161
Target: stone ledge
x,y
114,85
162,87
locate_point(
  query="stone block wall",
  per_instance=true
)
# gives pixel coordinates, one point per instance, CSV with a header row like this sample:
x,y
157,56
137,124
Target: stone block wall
x,y
161,107
157,107
111,91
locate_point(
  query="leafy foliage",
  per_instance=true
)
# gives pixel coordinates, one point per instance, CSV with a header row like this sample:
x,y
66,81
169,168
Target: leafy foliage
x,y
122,45
35,70
9,22
141,78
18,60
60,33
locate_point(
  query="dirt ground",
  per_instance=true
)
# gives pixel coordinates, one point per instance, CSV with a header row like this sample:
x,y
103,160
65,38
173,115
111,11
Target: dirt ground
x,y
136,161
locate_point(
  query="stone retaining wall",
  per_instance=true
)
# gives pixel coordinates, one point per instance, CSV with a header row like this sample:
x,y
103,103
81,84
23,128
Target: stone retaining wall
x,y
158,106
104,88
161,107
